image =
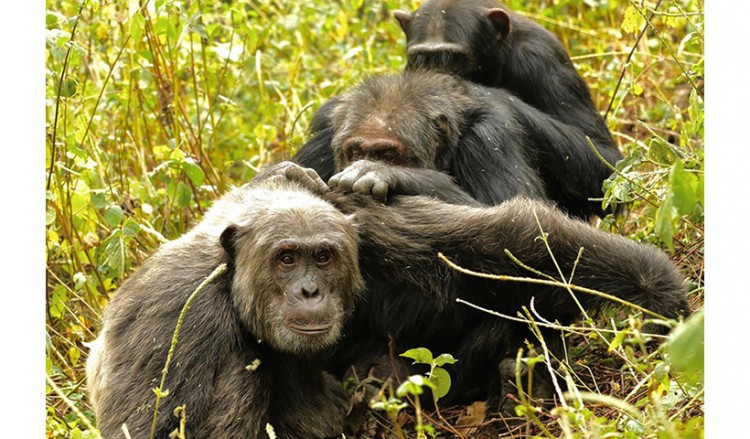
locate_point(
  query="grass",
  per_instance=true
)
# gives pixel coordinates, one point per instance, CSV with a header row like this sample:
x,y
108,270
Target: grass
x,y
154,110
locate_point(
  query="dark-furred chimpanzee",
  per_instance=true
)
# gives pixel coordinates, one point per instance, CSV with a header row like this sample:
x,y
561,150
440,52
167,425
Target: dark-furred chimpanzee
x,y
492,144
249,350
487,43
411,295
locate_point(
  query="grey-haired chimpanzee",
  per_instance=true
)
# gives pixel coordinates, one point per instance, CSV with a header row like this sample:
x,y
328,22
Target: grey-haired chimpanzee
x,y
487,43
490,142
250,346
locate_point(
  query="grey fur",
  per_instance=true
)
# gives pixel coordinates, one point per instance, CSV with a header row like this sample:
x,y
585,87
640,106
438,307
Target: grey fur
x,y
242,316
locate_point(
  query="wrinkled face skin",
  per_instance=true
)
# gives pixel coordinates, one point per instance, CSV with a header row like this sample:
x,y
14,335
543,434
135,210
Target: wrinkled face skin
x,y
296,276
453,36
402,120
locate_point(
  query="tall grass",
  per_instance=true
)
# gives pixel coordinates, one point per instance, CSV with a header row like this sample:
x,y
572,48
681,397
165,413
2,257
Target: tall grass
x,y
154,109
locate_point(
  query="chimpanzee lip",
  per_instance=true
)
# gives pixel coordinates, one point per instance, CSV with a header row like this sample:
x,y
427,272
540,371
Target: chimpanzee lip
x,y
310,329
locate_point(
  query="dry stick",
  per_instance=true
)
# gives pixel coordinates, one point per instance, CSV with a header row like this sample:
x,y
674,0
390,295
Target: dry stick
x,y
502,277
72,406
160,390
627,61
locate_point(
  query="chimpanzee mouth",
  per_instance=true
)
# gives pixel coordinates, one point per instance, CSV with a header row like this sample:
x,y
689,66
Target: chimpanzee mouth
x,y
310,329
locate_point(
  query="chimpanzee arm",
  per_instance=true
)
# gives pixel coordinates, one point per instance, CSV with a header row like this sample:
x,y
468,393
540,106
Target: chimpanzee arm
x,y
317,153
141,320
407,235
380,180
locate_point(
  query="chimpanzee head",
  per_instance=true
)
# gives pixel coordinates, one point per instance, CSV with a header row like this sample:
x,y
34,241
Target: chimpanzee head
x,y
454,36
296,272
405,120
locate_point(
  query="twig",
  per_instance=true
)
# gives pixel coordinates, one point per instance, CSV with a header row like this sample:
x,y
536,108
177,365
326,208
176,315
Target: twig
x,y
160,390
627,61
53,149
502,277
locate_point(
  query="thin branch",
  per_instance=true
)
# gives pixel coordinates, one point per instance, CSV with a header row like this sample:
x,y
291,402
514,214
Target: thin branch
x,y
627,61
160,390
502,277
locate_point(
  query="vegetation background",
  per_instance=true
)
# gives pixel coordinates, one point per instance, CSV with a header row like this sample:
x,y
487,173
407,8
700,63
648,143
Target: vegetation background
x,y
154,109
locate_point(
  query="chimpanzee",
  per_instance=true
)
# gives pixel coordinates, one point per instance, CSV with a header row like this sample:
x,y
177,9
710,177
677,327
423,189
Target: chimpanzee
x,y
411,296
492,143
294,276
249,353
487,43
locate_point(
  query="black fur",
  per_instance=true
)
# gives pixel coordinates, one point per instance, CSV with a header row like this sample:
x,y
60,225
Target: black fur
x,y
411,294
494,145
487,43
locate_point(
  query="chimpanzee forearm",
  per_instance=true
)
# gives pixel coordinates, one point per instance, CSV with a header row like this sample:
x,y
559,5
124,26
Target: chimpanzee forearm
x,y
478,238
381,180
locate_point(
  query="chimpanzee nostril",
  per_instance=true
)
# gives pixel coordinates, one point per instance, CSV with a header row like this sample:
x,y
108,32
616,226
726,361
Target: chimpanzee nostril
x,y
310,291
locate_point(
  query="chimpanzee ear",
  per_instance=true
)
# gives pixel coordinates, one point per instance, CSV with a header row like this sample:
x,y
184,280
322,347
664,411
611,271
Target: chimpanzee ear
x,y
403,19
228,238
501,20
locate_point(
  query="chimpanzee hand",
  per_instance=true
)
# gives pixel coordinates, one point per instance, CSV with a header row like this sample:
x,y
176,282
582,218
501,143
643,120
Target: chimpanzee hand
x,y
307,177
366,177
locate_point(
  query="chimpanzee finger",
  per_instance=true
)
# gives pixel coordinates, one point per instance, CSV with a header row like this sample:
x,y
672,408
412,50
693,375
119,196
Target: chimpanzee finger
x,y
364,184
301,175
380,190
345,179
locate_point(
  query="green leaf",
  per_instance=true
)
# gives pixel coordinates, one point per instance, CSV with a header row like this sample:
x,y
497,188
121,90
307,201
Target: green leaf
x,y
617,341
413,386
663,227
50,216
183,195
443,359
660,152
442,381
685,349
633,21
57,302
115,252
419,355
98,200
137,23
131,228
193,171
74,354
684,188
113,215
161,394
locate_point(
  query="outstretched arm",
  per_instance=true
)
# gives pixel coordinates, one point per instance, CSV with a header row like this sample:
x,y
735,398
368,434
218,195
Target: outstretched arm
x,y
410,232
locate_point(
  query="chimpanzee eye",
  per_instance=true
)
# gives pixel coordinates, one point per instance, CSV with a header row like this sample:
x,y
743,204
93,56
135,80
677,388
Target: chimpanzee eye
x,y
287,258
323,257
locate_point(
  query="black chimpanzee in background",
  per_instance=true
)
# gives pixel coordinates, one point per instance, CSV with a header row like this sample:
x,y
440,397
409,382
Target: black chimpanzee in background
x,y
487,43
492,143
481,42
